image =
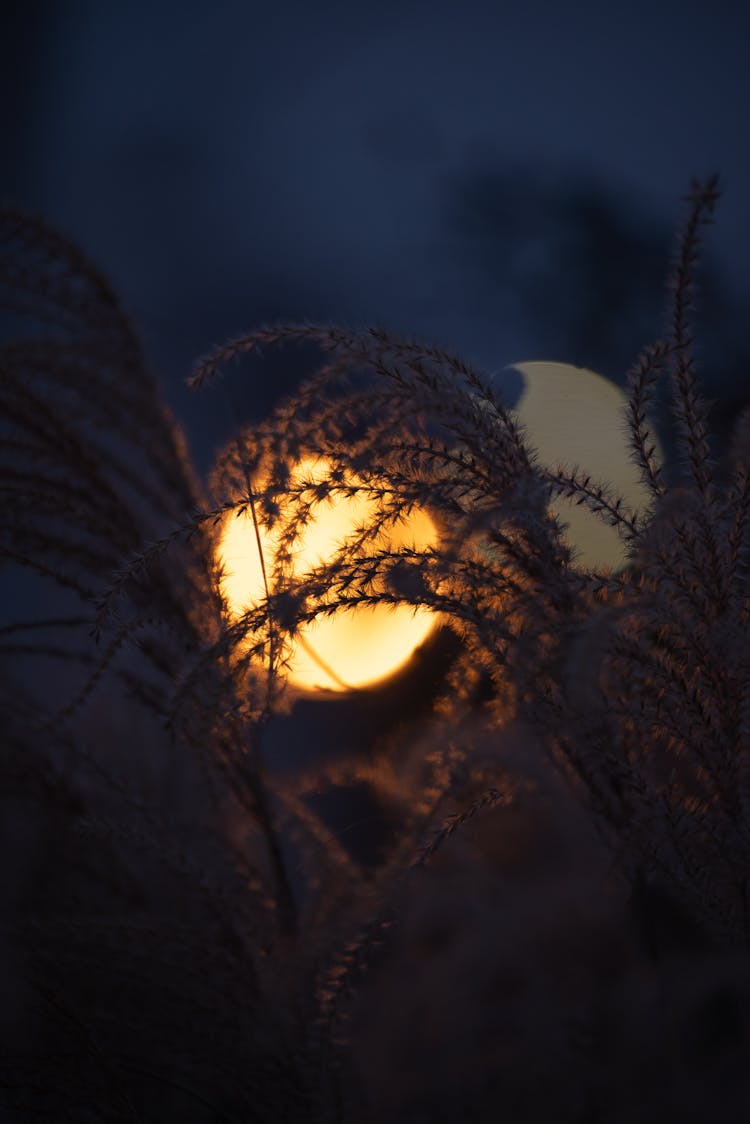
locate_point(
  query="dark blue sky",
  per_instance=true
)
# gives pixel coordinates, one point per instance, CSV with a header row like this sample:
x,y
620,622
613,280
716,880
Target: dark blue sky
x,y
504,179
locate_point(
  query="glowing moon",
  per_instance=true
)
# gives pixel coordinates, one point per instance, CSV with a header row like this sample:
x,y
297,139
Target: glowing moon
x,y
572,416
354,648
575,417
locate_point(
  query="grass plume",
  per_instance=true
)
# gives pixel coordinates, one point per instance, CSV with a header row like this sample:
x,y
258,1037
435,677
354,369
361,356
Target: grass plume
x,y
193,938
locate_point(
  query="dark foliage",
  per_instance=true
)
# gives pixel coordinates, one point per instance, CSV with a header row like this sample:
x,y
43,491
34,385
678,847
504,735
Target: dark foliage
x,y
555,924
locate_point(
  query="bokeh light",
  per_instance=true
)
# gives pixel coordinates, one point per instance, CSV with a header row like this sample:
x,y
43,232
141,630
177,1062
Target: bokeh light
x,y
577,418
354,648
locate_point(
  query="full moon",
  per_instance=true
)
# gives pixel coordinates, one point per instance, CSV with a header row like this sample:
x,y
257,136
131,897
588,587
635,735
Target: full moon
x,y
572,417
575,417
354,648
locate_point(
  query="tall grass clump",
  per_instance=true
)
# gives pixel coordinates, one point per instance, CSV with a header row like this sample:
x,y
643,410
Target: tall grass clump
x,y
190,937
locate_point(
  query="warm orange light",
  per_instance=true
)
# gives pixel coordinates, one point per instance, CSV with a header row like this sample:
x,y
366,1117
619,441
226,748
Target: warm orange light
x,y
354,648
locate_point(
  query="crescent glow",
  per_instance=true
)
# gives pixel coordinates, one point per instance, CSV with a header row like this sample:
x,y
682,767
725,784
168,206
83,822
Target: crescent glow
x,y
575,417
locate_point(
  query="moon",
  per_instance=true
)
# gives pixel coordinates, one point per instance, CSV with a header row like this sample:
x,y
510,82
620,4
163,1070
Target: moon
x,y
571,415
574,417
355,648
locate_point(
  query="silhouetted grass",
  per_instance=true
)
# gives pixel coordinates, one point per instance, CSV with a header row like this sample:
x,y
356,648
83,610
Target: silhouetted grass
x,y
554,925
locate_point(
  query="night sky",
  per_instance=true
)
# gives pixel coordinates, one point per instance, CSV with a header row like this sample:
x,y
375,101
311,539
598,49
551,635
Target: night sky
x,y
502,179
